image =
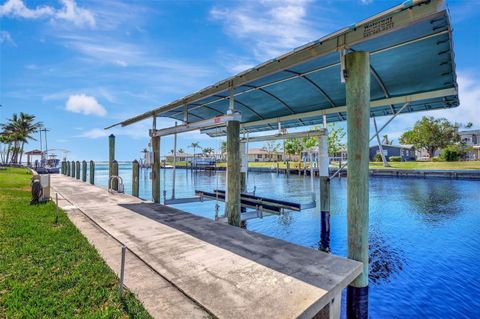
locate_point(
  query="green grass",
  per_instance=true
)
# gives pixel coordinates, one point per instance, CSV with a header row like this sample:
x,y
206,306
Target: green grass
x,y
429,165
51,271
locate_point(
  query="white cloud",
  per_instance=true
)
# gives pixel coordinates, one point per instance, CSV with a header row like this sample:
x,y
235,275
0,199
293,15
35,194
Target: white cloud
x,y
274,27
94,133
68,12
81,103
5,37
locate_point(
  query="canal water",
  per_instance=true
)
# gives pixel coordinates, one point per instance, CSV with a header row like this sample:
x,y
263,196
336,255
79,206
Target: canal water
x,y
424,234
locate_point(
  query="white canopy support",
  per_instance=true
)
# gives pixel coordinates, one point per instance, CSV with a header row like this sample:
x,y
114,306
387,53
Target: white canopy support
x,y
204,124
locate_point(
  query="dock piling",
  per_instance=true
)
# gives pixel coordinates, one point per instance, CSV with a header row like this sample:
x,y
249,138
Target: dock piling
x,y
232,204
92,172
323,169
111,154
84,171
357,86
77,170
114,173
156,169
135,174
73,169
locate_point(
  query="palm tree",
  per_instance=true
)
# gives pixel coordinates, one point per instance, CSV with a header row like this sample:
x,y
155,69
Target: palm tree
x,y
194,145
181,151
19,129
208,151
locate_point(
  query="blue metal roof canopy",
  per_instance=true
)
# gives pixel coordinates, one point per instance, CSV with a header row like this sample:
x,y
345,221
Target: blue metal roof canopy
x,y
412,61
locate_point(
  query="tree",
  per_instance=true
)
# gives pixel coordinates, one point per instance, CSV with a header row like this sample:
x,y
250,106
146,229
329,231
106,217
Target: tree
x,y
293,146
271,148
335,137
431,134
223,148
181,151
194,145
208,151
19,129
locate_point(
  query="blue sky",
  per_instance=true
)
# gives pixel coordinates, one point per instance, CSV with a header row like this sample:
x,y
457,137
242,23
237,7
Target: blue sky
x,y
82,65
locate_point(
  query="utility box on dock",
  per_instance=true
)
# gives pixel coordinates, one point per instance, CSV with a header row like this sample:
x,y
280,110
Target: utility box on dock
x,y
44,180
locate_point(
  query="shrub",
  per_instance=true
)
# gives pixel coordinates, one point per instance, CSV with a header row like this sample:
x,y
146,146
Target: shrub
x,y
437,159
455,152
395,158
377,158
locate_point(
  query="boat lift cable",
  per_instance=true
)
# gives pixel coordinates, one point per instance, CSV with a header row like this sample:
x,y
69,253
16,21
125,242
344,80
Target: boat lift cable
x,y
374,136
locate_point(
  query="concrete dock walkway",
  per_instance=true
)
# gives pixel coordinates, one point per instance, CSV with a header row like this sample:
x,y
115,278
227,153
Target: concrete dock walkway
x,y
206,268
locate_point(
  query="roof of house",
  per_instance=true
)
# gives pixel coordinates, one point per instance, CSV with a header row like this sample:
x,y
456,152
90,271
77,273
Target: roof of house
x,y
469,132
257,151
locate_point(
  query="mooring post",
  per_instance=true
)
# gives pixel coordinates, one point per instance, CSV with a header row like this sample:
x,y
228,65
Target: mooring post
x,y
61,166
156,169
114,173
243,171
122,272
68,168
323,172
84,171
77,173
357,84
111,154
92,172
232,205
288,168
135,174
56,208
73,169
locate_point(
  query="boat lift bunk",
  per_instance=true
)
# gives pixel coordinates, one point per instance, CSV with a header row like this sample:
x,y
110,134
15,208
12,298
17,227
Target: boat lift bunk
x,y
261,205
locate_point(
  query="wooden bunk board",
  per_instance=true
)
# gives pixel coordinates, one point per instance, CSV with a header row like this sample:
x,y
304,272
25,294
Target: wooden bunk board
x,y
253,201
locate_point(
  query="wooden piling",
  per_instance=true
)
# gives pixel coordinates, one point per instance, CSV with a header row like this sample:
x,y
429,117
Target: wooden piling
x,y
92,172
156,169
68,168
115,173
135,174
358,118
232,205
84,171
323,171
111,154
77,170
62,168
73,169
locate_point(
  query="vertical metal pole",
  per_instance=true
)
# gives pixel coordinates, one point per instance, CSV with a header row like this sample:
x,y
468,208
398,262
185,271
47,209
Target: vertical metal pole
x,y
115,173
77,172
92,172
174,162
358,112
56,208
111,154
122,272
323,172
380,147
232,205
135,174
84,171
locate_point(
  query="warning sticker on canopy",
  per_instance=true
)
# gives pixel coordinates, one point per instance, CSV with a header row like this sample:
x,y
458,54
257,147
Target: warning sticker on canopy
x,y
377,26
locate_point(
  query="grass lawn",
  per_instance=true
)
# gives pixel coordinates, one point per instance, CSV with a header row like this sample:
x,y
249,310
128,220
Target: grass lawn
x,y
430,165
49,271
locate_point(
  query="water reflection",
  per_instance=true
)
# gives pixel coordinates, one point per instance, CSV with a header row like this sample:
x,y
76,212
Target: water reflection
x,y
434,202
384,259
